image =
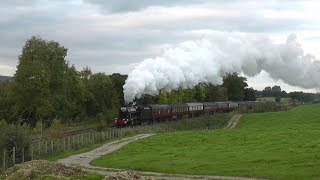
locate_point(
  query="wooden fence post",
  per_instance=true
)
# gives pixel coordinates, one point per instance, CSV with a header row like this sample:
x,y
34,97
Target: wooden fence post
x,y
22,154
82,139
51,146
14,155
69,146
4,159
93,137
64,144
39,148
46,147
31,151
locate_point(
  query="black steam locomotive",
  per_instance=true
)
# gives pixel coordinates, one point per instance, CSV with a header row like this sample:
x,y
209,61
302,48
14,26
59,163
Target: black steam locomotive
x,y
133,115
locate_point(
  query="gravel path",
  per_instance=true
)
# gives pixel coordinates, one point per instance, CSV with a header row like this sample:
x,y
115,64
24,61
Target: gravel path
x,y
234,121
84,159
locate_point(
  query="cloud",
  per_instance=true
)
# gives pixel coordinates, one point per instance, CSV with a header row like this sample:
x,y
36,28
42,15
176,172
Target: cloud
x,y
190,62
109,35
7,70
136,5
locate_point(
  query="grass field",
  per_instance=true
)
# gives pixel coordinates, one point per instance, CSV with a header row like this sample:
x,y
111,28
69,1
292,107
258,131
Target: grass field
x,y
276,145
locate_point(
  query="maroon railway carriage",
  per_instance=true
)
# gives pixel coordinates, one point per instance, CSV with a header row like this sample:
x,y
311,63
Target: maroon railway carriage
x,y
178,110
160,111
210,107
222,106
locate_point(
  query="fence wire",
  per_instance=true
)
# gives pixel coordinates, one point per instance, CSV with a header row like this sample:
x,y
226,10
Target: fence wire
x,y
41,148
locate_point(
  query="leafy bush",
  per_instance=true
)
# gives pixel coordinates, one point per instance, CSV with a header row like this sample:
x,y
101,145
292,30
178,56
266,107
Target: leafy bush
x,y
38,128
111,114
14,135
56,123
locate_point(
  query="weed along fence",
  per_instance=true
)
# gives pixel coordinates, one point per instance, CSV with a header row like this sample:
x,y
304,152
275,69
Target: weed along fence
x,y
42,148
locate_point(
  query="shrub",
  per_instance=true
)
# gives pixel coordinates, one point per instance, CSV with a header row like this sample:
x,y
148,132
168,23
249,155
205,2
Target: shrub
x,y
38,128
14,135
56,123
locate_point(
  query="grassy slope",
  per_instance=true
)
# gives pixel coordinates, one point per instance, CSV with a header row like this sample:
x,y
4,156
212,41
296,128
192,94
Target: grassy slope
x,y
275,145
218,121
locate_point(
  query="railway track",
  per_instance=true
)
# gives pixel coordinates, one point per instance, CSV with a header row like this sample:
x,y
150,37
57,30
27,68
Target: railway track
x,y
63,134
75,132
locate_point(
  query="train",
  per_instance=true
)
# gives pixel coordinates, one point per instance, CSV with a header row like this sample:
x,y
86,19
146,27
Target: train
x,y
138,115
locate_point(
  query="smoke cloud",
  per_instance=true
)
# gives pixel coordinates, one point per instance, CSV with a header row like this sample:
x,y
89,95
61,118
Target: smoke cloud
x,y
205,60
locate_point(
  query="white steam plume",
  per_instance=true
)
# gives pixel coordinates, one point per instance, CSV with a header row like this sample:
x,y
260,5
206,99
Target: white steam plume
x,y
206,60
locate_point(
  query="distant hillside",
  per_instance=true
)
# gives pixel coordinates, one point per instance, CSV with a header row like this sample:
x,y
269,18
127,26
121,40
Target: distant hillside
x,y
5,78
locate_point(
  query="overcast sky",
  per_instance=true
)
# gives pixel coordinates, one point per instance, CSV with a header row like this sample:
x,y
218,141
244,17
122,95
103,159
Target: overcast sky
x,y
113,35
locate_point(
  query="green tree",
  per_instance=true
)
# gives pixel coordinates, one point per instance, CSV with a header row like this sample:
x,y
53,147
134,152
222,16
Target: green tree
x,y
163,97
267,92
235,85
199,92
75,94
118,80
39,79
276,90
102,96
215,93
249,94
187,95
85,73
174,97
6,100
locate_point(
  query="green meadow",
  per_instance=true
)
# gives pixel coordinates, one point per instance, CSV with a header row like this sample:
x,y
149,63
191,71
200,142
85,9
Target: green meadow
x,y
275,145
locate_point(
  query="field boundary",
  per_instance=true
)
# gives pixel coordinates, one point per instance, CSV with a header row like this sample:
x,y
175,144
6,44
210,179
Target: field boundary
x,y
42,148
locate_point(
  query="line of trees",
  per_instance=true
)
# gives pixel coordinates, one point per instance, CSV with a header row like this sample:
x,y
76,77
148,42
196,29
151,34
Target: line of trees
x,y
276,92
234,88
46,88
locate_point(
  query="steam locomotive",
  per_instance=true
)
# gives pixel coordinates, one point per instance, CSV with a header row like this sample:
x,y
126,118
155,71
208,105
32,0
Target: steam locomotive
x,y
137,115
